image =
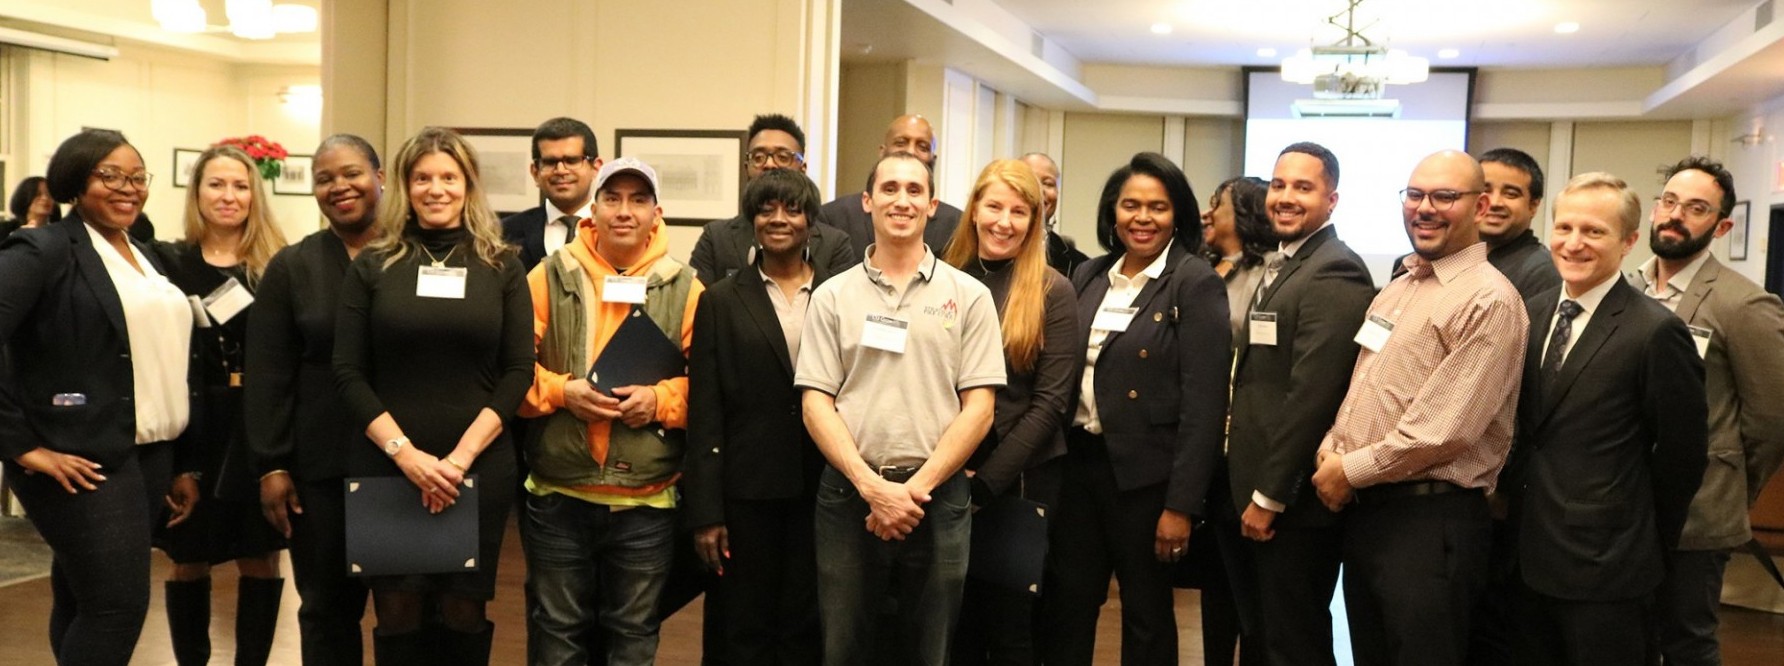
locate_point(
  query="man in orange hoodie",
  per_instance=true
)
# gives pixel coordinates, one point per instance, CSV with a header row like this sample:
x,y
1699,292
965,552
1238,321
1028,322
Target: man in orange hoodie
x,y
601,498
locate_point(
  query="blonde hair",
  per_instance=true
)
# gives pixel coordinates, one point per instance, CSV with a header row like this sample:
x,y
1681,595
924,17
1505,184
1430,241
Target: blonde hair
x,y
394,212
1629,209
1025,309
261,237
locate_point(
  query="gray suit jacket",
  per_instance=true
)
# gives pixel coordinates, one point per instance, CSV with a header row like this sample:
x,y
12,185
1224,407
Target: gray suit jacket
x,y
1743,377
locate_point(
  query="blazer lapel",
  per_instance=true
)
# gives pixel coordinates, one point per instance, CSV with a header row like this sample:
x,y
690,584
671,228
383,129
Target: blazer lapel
x,y
93,269
1701,284
1604,323
754,295
1288,268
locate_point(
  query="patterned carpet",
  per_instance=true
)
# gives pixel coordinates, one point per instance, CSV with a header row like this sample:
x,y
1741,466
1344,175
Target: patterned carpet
x,y
23,555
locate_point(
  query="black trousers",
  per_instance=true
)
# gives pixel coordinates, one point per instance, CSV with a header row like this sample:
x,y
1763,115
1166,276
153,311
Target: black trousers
x,y
769,597
1413,569
1297,573
1555,631
1685,607
332,601
99,540
1101,530
1494,639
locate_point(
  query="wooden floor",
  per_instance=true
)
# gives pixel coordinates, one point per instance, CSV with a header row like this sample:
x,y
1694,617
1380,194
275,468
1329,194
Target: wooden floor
x,y
1748,638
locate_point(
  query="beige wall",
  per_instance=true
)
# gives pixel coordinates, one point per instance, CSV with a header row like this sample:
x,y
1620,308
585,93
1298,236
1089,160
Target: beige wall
x,y
1758,179
1095,145
871,95
1633,151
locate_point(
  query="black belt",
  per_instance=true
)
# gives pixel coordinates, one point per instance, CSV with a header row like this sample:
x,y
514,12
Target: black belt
x,y
895,473
1389,491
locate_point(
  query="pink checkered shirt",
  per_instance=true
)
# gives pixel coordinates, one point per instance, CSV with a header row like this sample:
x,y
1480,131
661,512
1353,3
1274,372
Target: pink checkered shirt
x,y
1439,401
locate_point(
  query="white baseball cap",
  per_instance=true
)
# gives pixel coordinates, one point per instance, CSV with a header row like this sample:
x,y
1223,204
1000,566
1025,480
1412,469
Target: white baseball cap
x,y
627,165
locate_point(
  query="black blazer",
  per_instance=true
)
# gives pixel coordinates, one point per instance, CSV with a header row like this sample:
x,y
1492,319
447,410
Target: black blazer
x,y
64,327
1033,407
1161,389
525,230
746,431
845,213
724,248
1285,397
1608,457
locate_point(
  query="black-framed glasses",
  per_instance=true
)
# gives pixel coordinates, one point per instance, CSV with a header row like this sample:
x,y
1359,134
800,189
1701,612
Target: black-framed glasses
x,y
779,158
568,162
114,180
1440,199
1696,209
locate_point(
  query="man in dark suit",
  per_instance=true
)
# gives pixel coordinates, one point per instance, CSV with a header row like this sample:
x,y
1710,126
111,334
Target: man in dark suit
x,y
725,246
1295,349
907,134
1739,332
1611,441
565,159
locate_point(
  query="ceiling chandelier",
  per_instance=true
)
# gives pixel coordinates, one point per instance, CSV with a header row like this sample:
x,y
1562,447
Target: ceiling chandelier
x,y
248,19
1353,67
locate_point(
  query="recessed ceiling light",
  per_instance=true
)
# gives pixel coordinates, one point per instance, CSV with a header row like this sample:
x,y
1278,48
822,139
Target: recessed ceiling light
x,y
1567,27
1266,52
1448,54
1161,28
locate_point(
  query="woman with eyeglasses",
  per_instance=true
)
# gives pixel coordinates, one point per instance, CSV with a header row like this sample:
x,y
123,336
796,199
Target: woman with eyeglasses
x,y
99,392
230,237
31,206
433,353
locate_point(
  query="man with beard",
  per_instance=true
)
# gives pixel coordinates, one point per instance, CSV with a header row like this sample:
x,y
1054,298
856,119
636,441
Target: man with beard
x,y
775,142
1739,332
912,134
565,159
1514,197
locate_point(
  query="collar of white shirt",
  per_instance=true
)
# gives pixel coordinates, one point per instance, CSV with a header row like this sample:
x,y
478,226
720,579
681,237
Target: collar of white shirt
x,y
1290,248
1680,281
1151,272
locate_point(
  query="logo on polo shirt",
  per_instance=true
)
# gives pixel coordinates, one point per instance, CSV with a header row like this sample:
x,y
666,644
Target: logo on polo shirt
x,y
948,311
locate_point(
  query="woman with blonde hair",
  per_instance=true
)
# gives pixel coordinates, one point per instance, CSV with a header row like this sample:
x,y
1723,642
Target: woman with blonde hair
x,y
230,237
1002,241
441,304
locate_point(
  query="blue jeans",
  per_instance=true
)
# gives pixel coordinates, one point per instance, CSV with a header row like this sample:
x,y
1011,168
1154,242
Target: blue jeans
x,y
589,564
856,571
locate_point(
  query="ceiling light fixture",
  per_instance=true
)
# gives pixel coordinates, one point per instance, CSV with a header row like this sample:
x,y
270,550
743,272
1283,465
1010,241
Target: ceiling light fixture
x,y
1266,52
1449,54
250,19
178,15
1161,28
1354,67
1567,27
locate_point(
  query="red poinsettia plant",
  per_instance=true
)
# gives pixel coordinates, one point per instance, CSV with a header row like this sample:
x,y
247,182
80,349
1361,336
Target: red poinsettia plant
x,y
268,155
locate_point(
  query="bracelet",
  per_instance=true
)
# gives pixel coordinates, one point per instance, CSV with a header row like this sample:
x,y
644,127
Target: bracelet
x,y
269,475
455,463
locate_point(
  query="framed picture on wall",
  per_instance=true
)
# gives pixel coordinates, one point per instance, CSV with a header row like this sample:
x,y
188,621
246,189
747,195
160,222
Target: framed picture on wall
x,y
183,161
700,171
1737,236
505,155
294,177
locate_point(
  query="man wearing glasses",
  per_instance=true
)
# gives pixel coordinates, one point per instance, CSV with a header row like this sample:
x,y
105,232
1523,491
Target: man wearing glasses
x,y
907,134
565,159
775,142
1738,329
1425,427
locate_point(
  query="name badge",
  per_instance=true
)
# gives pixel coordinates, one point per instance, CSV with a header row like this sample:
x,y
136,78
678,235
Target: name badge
x,y
623,289
1113,319
227,301
68,399
1373,336
885,333
1701,336
440,282
1263,329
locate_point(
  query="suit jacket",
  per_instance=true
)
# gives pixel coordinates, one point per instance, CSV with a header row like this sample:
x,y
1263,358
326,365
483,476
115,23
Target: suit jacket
x,y
845,213
1608,456
525,230
724,248
746,430
1320,297
64,328
1743,377
1159,385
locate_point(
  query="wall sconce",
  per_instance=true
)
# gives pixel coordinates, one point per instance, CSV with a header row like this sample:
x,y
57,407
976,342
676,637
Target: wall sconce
x,y
1755,136
303,101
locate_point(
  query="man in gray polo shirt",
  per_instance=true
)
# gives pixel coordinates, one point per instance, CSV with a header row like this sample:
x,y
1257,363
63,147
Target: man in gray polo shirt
x,y
900,361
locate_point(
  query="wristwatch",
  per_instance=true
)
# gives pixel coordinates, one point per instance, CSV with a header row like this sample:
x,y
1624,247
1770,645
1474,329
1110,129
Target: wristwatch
x,y
393,446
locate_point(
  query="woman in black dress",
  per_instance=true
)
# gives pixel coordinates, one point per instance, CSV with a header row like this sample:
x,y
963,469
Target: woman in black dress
x,y
431,368
230,237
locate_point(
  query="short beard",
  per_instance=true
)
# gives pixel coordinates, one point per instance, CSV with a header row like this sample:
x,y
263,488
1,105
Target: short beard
x,y
1683,249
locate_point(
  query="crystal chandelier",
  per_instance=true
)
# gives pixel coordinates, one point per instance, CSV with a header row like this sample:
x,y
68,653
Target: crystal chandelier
x,y
1354,67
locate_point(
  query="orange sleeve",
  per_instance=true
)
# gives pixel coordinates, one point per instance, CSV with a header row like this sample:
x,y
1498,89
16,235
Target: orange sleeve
x,y
547,393
672,394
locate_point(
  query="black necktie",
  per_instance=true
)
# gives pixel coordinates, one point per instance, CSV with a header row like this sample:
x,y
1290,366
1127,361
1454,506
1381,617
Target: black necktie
x,y
569,228
1551,360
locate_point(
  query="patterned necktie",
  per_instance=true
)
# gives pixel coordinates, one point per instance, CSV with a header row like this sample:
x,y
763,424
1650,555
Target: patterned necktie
x,y
1551,360
1273,262
569,222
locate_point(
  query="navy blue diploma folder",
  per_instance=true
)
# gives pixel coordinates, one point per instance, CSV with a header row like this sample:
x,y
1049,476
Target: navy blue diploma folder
x,y
390,533
639,354
1009,544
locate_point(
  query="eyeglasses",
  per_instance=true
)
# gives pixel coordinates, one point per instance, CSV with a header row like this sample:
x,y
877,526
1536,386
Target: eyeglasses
x,y
569,162
1695,209
1440,199
114,180
780,158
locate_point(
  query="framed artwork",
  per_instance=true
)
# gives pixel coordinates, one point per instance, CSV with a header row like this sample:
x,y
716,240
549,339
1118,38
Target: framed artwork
x,y
1737,236
701,172
294,177
183,161
505,155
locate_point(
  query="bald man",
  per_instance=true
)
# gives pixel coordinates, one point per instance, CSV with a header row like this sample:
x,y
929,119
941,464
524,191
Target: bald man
x,y
912,134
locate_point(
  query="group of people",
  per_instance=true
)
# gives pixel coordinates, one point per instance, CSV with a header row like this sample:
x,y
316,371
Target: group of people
x,y
1517,454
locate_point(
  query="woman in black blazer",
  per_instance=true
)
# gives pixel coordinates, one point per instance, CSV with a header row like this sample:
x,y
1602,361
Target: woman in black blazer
x,y
99,389
1150,419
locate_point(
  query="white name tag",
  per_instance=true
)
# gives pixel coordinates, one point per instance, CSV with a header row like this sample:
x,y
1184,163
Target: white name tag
x,y
623,289
440,282
1113,319
885,333
1373,336
227,301
1263,328
1701,336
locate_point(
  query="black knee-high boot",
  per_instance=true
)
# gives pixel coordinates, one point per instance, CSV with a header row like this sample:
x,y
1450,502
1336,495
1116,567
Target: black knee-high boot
x,y
188,605
458,648
256,616
416,648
